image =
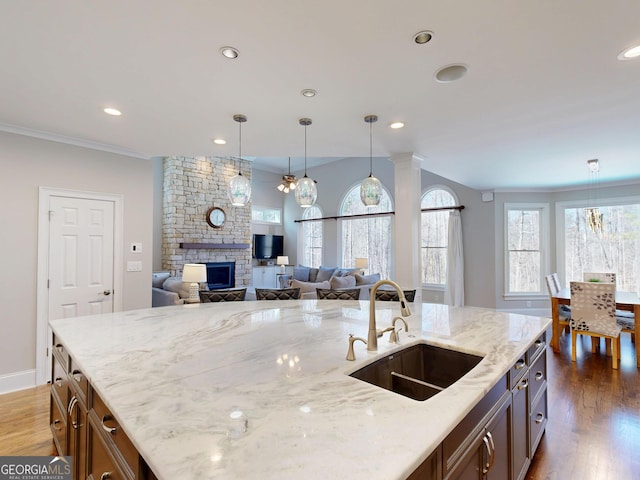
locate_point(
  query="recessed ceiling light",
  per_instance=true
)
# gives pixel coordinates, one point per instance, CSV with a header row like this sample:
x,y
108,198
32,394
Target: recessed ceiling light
x,y
451,73
309,92
630,53
423,37
112,111
229,52
219,141
396,125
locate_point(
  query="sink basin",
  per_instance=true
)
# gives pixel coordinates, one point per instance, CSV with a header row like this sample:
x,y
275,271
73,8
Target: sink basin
x,y
418,372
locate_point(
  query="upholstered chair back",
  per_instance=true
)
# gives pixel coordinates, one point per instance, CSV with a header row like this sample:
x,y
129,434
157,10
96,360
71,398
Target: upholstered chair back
x,y
345,294
593,308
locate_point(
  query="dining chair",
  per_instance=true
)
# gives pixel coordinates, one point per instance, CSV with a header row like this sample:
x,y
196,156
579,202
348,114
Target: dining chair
x,y
564,311
331,294
277,293
593,313
556,280
235,295
392,296
607,277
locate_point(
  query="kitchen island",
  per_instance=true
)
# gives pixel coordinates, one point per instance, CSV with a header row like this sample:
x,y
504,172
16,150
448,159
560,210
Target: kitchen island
x,y
261,390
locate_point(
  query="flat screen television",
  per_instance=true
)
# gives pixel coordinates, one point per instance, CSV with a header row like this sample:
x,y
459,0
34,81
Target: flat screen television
x,y
267,246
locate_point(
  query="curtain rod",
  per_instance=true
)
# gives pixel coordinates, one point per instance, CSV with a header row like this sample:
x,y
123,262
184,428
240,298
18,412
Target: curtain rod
x,y
380,214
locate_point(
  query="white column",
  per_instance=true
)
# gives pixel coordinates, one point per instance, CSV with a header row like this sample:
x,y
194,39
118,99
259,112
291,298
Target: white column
x,y
407,221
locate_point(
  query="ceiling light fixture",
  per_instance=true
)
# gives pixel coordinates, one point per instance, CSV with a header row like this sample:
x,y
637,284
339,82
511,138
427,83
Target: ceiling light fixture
x,y
219,141
451,73
239,186
309,92
112,111
423,37
396,125
229,52
306,191
592,212
630,53
288,181
371,188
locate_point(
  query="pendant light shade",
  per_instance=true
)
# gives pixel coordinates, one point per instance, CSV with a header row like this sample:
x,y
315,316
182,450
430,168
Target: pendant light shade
x,y
370,188
239,186
306,190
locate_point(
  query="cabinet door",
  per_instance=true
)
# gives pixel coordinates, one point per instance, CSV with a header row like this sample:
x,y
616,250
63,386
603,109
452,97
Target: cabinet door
x,y
521,428
77,422
497,460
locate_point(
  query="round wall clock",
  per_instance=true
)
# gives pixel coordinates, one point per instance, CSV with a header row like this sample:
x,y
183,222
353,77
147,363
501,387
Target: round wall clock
x,y
216,217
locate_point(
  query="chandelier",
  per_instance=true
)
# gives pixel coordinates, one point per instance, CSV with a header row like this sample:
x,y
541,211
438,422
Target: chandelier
x,y
593,213
289,181
370,188
306,191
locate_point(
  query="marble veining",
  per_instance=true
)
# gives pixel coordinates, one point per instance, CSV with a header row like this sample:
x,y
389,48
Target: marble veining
x,y
260,390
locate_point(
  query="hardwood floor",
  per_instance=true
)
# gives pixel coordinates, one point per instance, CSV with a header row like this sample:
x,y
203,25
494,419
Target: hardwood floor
x,y
593,431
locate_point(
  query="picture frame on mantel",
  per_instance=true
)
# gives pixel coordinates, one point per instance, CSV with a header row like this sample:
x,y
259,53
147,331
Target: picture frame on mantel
x,y
216,217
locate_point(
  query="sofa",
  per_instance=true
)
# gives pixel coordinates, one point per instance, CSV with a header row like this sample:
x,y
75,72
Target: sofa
x,y
167,290
307,279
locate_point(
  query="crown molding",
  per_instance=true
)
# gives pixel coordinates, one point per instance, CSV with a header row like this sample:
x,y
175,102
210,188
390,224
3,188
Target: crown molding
x,y
78,142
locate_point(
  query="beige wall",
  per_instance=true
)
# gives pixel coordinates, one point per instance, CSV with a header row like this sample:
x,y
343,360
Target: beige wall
x,y
26,164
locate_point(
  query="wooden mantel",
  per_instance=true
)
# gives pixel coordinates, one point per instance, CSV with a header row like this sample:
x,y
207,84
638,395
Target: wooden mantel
x,y
216,245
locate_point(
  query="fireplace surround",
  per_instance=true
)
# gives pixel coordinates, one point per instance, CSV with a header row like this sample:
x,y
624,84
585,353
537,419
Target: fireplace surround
x,y
221,275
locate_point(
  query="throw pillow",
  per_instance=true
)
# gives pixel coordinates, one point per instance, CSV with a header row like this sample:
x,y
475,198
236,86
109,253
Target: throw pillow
x,y
338,283
306,287
367,279
313,274
158,279
301,273
176,285
325,273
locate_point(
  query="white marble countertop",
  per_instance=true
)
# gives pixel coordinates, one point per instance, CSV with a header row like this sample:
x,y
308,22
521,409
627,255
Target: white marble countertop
x,y
175,376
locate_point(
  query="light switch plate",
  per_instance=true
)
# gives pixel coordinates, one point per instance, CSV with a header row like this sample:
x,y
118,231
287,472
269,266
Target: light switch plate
x,y
134,266
136,248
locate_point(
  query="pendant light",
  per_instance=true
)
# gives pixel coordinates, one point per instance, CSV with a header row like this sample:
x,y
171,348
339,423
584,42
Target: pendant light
x,y
288,181
370,188
592,212
306,190
239,186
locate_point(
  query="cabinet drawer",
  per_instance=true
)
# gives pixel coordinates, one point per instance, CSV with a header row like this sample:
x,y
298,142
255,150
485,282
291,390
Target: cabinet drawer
x,y
79,382
538,421
59,381
60,352
537,376
517,371
114,432
538,346
102,465
58,425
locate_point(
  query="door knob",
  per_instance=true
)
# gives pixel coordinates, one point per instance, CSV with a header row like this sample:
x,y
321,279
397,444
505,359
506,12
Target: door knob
x,y
107,292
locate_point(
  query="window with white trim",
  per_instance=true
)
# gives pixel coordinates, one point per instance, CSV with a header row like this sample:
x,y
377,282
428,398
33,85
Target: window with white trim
x,y
368,237
435,235
268,215
526,248
311,236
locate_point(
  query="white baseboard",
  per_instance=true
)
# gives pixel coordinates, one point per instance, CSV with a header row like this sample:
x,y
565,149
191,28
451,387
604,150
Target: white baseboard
x,y
13,382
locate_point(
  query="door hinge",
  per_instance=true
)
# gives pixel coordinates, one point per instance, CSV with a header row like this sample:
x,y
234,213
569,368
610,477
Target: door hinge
x,y
48,282
51,213
47,351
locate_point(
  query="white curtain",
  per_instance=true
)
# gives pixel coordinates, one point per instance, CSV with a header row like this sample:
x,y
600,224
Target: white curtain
x,y
454,290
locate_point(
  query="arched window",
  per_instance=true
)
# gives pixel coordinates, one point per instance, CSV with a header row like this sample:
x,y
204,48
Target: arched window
x,y
435,237
366,237
311,236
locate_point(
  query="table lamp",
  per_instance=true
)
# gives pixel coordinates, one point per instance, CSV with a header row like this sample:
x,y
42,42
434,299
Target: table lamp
x,y
362,263
194,273
283,261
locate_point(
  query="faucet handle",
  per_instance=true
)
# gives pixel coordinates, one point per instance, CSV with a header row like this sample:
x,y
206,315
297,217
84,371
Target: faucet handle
x,y
350,353
393,336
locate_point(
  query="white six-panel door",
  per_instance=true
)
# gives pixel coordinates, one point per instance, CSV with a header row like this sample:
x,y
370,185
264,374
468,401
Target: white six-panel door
x,y
80,257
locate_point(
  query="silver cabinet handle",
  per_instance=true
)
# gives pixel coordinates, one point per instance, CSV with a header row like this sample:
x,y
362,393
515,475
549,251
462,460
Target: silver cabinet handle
x,y
60,347
111,430
55,423
539,343
520,364
523,384
107,292
539,418
58,381
487,466
539,375
77,375
105,476
493,450
72,405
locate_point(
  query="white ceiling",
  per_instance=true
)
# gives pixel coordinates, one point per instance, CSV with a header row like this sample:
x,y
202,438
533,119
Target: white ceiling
x,y
543,94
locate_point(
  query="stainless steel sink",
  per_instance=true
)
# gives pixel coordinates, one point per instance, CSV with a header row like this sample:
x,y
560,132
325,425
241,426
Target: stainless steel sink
x,y
419,371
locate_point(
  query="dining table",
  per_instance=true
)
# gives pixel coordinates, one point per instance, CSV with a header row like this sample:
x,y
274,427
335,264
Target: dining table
x,y
627,301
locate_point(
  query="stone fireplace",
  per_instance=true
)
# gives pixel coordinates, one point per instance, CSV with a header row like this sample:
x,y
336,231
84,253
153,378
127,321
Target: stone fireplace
x,y
191,187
